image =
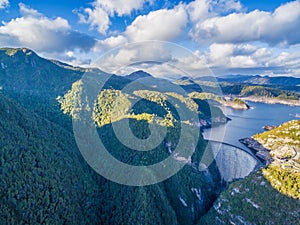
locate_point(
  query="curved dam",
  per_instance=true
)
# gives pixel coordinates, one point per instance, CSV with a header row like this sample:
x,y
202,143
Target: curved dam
x,y
220,164
233,162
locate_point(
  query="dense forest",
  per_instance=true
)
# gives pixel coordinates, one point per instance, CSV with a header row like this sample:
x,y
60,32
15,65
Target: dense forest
x,y
45,179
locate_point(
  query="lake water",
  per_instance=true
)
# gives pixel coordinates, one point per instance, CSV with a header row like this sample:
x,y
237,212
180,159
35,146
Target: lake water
x,y
247,123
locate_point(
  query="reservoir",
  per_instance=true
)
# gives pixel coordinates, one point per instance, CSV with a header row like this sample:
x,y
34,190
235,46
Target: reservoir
x,y
249,122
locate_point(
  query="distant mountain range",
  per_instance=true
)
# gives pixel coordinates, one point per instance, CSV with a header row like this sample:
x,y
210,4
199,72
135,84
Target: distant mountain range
x,y
261,80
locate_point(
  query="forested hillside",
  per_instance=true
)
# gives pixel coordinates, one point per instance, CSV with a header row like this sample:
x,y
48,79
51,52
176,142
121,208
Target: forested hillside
x,y
44,179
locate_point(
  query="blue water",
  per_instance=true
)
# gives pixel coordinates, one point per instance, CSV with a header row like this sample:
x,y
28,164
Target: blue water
x,y
247,123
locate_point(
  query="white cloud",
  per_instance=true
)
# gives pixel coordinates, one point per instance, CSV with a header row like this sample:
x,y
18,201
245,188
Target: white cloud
x,y
40,33
109,43
98,16
287,60
238,56
279,27
70,54
136,53
199,10
162,24
157,25
120,7
162,59
26,11
4,4
251,59
228,5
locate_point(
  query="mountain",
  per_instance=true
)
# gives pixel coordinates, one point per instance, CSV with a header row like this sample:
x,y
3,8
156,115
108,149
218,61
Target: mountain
x,y
261,80
44,178
247,87
23,71
188,84
138,75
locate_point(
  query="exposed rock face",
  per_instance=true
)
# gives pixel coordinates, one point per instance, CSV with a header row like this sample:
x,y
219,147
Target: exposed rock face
x,y
268,127
261,152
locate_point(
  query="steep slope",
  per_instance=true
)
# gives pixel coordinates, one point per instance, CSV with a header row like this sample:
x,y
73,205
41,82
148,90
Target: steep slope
x,y
253,201
269,196
283,144
43,176
188,194
188,84
43,179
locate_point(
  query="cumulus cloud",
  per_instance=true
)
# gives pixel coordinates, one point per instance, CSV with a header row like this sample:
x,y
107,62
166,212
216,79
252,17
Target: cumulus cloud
x,y
118,59
120,7
26,11
251,59
98,16
162,24
40,33
286,60
109,43
161,59
200,10
280,27
4,4
237,56
157,25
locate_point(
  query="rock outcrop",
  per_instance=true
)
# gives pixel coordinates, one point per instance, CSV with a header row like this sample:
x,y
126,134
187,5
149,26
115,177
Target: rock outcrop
x,y
261,152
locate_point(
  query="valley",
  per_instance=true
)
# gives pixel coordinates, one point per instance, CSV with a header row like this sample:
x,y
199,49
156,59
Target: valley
x,y
46,180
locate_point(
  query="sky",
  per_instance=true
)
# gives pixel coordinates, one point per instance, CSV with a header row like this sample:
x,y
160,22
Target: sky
x,y
193,36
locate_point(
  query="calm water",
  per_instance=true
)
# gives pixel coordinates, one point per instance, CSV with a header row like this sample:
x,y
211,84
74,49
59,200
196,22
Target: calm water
x,y
249,122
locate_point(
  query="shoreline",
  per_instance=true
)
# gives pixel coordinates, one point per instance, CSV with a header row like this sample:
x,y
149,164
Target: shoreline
x,y
267,100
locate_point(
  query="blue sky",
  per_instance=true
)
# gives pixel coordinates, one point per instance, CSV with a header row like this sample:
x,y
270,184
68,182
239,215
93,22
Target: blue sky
x,y
228,36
